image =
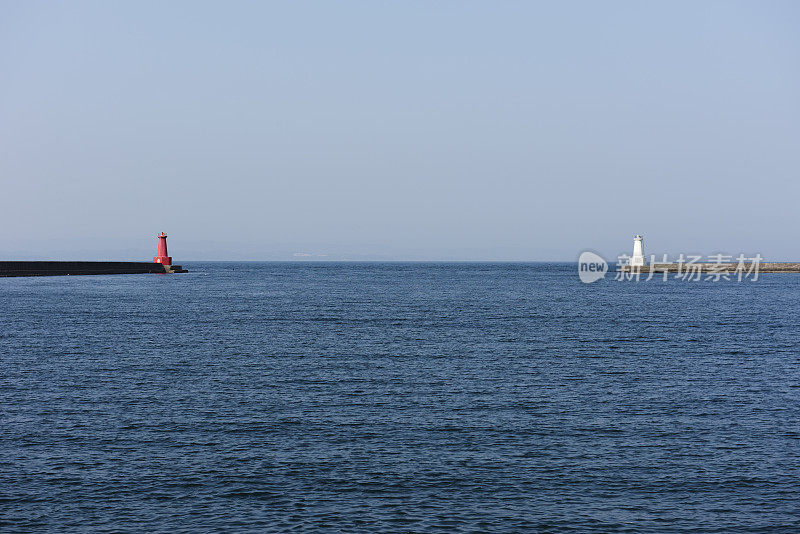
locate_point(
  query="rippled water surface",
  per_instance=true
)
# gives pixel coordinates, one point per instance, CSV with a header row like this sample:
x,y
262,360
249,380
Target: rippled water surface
x,y
398,397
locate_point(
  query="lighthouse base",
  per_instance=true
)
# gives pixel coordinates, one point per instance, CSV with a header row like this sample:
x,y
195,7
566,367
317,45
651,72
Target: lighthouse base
x,y
174,269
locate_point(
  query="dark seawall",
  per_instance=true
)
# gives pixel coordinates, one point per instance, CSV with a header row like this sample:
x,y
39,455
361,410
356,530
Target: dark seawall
x,y
706,268
61,268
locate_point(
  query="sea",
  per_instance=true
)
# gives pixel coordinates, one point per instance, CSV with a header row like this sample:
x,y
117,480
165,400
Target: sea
x,y
398,397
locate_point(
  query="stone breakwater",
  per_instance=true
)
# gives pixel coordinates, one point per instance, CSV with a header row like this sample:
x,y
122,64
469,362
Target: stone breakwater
x,y
730,268
66,268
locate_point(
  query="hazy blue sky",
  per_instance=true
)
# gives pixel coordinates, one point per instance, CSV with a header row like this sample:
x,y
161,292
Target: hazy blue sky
x,y
398,130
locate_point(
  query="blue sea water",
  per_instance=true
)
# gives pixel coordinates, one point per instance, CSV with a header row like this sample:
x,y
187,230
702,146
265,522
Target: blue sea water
x,y
398,397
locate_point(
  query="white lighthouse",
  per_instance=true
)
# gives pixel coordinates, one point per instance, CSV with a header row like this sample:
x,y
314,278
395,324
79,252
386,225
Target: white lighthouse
x,y
637,260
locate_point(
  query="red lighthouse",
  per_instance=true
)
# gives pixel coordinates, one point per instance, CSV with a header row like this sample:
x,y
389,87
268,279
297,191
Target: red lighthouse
x,y
161,254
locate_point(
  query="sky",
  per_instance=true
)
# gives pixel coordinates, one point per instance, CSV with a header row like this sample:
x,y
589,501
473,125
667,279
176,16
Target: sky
x,y
363,130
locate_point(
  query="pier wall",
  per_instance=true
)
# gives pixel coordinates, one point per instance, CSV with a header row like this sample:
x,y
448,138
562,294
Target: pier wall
x,y
763,267
61,268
